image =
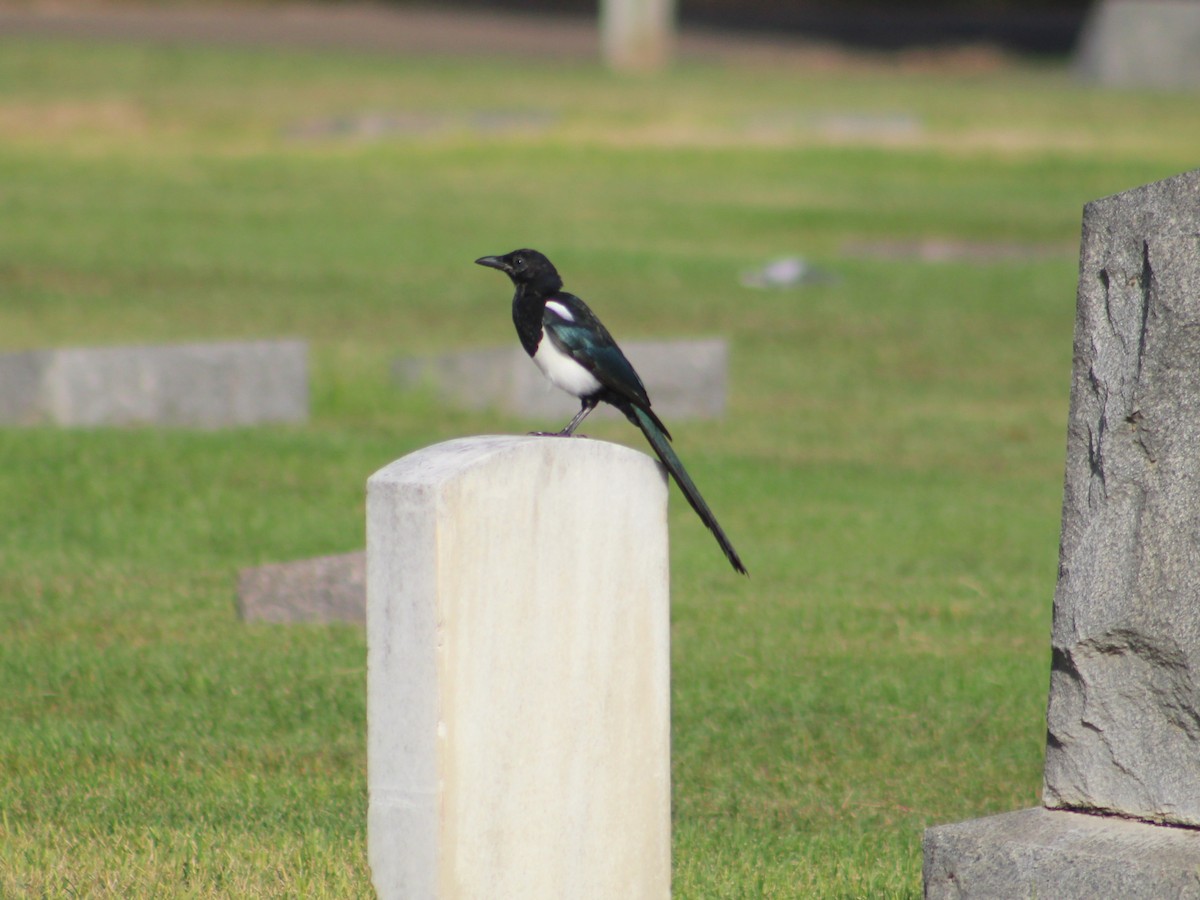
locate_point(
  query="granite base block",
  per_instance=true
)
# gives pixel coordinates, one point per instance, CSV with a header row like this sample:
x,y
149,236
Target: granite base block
x,y
1043,853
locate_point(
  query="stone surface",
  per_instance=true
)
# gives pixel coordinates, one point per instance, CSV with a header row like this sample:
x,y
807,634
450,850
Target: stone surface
x,y
518,672
1141,43
21,381
1124,710
1123,719
1041,853
946,250
191,385
685,379
637,35
322,589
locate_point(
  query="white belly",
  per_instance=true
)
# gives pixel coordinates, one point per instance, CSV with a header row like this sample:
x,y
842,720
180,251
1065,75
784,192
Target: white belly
x,y
563,371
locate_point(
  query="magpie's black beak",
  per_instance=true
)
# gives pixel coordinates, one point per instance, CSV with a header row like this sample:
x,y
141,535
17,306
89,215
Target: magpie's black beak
x,y
492,262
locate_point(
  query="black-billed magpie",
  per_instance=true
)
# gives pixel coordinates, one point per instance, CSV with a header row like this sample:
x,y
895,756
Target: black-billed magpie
x,y
576,352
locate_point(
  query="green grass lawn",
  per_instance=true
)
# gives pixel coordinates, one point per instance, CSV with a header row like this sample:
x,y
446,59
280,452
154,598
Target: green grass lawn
x,y
890,467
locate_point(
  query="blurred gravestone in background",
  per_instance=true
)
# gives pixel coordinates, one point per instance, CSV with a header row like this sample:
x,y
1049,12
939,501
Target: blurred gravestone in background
x,y
637,35
1141,43
184,385
321,589
1123,736
685,379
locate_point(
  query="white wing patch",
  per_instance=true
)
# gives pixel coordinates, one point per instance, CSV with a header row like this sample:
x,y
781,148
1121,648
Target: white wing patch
x,y
563,371
559,310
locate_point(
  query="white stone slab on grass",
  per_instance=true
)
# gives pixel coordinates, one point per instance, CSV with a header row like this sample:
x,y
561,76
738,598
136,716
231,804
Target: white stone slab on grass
x,y
202,385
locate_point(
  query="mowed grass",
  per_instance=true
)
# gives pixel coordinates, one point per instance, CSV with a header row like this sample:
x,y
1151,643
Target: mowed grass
x,y
890,467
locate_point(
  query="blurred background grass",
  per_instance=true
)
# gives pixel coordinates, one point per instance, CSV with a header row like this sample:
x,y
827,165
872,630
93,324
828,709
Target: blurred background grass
x,y
890,466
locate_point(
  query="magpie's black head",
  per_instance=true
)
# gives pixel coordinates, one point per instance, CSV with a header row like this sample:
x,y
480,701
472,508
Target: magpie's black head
x,y
525,267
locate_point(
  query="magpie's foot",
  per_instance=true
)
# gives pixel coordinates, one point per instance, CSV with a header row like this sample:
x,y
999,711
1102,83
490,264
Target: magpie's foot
x,y
564,433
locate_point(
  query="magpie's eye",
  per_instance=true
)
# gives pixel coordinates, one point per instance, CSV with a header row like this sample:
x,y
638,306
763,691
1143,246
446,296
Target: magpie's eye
x,y
519,261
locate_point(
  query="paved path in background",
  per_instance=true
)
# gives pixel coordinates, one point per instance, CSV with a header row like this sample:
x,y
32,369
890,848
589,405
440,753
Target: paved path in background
x,y
375,28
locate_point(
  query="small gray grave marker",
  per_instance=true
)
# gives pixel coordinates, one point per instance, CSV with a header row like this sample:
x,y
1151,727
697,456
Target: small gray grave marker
x,y
685,380
205,385
321,589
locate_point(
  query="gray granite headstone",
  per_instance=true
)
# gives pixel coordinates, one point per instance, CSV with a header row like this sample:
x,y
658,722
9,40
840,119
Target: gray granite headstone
x,y
1123,719
321,589
203,385
1124,712
686,379
1141,43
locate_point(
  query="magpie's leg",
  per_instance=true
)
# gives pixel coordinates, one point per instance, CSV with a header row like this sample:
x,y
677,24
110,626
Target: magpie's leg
x,y
586,407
